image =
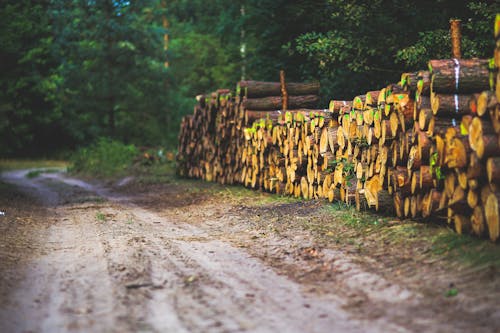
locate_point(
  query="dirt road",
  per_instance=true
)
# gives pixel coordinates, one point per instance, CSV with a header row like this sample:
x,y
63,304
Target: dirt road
x,y
83,258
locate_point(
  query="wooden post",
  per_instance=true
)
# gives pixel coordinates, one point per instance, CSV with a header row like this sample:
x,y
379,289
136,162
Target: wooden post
x,y
456,36
284,93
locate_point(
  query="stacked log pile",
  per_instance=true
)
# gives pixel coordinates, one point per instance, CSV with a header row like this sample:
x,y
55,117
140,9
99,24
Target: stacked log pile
x,y
270,153
426,147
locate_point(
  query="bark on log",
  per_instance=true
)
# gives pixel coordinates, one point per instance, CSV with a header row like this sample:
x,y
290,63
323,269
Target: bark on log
x,y
255,89
453,76
275,102
450,105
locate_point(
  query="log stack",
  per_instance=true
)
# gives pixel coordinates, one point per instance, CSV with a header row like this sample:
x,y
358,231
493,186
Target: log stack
x,y
426,147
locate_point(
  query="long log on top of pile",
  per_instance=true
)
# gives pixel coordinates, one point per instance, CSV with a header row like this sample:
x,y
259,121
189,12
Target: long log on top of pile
x,y
459,75
275,102
256,89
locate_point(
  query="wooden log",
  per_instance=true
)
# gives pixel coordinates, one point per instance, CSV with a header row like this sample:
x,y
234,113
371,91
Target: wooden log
x,y
424,144
409,81
402,181
453,76
462,178
425,179
416,205
495,118
462,223
424,83
415,177
391,91
439,126
255,89
414,159
456,38
478,221
497,87
406,206
430,202
487,146
493,169
275,102
486,101
368,116
477,129
458,202
449,105
457,152
398,201
371,99
475,171
492,214
424,119
376,196
358,103
336,106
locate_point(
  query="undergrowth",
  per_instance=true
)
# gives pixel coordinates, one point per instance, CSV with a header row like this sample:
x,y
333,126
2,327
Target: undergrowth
x,y
105,158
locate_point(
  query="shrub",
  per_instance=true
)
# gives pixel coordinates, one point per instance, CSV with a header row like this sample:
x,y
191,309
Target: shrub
x,y
105,158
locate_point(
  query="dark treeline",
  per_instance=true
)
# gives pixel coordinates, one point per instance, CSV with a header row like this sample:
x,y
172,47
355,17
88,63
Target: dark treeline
x,y
74,71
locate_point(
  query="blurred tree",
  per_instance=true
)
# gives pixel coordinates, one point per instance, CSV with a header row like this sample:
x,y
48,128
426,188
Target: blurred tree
x,y
77,70
111,77
25,59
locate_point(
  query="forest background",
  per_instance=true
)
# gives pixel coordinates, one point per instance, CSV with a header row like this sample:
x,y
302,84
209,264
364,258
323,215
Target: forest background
x,y
77,71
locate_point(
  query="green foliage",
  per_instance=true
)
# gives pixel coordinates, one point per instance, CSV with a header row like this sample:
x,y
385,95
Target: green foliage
x,y
436,44
110,80
25,59
74,71
106,158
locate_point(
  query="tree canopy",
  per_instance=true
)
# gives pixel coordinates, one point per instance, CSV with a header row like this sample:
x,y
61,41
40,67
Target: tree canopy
x,y
74,71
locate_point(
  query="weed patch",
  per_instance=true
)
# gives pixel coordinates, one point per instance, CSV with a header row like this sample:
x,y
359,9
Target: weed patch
x,y
106,158
100,217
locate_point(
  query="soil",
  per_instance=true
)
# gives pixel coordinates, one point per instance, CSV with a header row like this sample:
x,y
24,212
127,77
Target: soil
x,y
189,256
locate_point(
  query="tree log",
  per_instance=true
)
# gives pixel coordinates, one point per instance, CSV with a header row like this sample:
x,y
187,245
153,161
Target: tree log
x,y
430,202
424,83
493,169
450,105
486,101
336,106
275,102
478,222
255,89
492,214
455,76
487,146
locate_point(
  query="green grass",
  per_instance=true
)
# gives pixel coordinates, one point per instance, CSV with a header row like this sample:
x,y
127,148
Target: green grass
x,y
105,159
100,217
467,249
16,164
162,172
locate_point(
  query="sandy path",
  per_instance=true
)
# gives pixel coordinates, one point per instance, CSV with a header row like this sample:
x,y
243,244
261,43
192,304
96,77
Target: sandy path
x,y
133,270
115,266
